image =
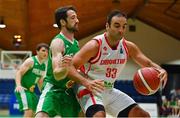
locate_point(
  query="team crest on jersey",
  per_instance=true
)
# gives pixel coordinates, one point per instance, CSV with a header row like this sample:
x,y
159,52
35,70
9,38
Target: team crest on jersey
x,y
105,48
108,85
121,50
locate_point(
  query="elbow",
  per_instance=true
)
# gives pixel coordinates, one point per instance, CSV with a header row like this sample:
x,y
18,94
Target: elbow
x,y
60,74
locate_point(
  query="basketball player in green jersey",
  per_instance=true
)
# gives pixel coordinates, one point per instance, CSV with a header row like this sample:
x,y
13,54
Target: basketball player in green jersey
x,y
57,97
30,73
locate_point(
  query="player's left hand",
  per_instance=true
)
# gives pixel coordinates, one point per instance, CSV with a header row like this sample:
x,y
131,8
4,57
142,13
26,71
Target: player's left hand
x,y
163,76
66,61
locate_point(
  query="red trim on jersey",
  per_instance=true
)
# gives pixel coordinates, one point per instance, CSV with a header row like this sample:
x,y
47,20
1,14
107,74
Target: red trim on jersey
x,y
89,68
92,98
85,92
125,47
105,36
98,55
82,69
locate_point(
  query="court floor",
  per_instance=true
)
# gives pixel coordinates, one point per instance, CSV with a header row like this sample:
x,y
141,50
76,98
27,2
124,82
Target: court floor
x,y
5,113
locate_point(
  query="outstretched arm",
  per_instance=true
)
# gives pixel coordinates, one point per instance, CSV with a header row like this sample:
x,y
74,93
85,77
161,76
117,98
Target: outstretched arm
x,y
136,54
28,63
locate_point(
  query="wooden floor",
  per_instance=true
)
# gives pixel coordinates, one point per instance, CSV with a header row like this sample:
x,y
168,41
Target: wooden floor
x,y
4,112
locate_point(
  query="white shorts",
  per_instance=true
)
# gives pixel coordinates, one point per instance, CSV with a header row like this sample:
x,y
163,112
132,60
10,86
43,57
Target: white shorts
x,y
113,100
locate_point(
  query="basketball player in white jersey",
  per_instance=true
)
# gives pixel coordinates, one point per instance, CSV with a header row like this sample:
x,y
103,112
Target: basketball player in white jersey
x,y
104,57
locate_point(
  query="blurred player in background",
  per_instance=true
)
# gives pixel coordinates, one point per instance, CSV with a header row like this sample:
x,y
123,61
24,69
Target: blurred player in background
x,y
105,57
30,73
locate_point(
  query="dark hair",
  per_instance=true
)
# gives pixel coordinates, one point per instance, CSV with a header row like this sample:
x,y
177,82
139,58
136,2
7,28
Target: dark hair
x,y
40,45
115,13
61,13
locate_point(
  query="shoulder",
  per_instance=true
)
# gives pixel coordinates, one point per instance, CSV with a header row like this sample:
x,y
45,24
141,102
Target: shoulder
x,y
56,43
97,40
99,36
29,62
93,43
130,45
90,49
30,59
133,49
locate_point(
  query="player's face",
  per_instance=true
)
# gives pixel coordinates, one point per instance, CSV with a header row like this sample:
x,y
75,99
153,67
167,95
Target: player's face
x,y
72,21
117,27
43,53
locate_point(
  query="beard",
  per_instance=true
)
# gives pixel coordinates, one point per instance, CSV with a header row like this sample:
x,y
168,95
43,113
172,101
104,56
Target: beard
x,y
72,28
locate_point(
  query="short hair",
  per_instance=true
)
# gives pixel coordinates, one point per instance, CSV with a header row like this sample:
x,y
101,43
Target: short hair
x,y
115,13
61,13
40,45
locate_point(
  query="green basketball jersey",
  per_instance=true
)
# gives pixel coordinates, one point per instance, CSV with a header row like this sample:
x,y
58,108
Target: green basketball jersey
x,y
70,49
31,77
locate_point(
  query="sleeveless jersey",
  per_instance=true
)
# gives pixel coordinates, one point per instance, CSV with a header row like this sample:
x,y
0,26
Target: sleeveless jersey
x,y
31,77
108,63
70,49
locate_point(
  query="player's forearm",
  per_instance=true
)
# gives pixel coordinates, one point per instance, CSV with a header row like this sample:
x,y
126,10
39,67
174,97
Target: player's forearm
x,y
40,83
39,87
60,73
18,79
152,64
76,76
146,62
156,65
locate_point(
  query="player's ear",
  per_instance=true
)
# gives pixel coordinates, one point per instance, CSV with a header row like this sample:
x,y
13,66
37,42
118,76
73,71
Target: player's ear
x,y
37,52
107,26
62,22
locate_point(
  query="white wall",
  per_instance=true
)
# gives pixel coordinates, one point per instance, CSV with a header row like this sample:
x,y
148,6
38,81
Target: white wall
x,y
158,46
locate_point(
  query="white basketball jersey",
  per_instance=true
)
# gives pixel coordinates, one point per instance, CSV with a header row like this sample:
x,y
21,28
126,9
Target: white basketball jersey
x,y
108,63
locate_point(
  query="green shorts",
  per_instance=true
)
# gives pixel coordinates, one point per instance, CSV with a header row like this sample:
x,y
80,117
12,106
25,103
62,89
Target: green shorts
x,y
27,100
55,101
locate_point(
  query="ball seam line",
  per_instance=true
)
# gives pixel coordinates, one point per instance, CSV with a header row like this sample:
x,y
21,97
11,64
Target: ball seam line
x,y
144,82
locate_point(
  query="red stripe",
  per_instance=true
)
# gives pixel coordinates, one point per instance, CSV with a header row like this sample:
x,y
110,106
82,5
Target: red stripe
x,y
82,68
98,55
85,92
92,98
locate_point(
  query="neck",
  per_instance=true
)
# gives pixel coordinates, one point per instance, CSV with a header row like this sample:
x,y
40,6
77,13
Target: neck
x,y
68,35
41,60
113,41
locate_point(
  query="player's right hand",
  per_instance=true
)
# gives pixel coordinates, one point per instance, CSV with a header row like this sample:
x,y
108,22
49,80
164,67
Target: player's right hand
x,y
163,76
20,88
95,86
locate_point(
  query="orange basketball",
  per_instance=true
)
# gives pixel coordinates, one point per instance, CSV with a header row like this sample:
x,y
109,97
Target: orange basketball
x,y
146,81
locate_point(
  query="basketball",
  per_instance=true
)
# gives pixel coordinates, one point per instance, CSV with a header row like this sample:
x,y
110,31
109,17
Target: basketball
x,y
146,81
